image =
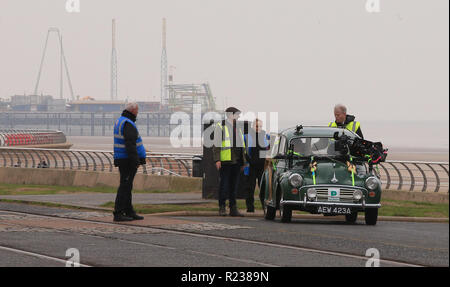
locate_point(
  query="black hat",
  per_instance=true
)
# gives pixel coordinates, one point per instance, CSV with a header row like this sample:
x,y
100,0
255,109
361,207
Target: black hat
x,y
232,110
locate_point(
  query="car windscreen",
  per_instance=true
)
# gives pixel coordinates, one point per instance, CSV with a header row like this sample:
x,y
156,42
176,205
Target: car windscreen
x,y
307,146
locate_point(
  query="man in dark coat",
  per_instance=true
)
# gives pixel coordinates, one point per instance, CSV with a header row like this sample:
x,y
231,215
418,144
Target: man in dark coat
x,y
229,156
257,144
129,153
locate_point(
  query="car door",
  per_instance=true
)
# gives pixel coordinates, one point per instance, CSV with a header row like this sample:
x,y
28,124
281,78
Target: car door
x,y
281,166
269,173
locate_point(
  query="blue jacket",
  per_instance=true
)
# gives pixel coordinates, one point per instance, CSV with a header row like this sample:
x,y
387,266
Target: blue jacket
x,y
127,141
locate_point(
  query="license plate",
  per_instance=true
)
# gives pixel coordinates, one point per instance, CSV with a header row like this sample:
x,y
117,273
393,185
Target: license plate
x,y
333,210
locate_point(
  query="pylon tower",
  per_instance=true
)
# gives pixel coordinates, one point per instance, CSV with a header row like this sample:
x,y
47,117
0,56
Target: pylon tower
x,y
164,98
62,62
114,63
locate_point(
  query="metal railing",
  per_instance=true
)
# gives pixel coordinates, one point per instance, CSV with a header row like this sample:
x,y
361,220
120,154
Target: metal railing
x,y
156,163
395,175
415,175
16,137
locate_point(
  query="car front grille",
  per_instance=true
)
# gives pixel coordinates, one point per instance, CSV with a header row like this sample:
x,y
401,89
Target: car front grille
x,y
346,195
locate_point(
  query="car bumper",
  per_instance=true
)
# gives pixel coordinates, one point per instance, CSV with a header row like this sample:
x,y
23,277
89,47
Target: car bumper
x,y
306,203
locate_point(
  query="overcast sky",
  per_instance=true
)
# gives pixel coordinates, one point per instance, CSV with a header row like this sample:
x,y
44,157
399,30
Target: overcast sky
x,y
295,57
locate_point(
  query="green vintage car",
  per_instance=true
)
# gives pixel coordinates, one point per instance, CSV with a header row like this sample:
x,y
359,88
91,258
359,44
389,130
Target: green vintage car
x,y
313,170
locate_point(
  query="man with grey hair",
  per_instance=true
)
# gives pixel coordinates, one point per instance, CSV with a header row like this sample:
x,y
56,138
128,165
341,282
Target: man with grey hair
x,y
257,143
132,107
342,120
129,153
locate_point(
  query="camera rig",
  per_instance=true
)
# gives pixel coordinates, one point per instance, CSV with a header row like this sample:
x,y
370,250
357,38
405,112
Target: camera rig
x,y
373,152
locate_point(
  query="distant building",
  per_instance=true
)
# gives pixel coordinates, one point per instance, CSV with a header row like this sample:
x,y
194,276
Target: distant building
x,y
37,103
46,103
4,105
92,106
150,106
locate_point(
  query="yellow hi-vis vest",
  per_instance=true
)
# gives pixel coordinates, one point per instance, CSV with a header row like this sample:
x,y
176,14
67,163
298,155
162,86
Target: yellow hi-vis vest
x,y
225,153
352,126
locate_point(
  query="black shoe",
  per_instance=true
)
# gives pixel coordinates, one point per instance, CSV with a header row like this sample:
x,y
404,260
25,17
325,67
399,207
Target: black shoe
x,y
135,216
122,217
235,212
222,211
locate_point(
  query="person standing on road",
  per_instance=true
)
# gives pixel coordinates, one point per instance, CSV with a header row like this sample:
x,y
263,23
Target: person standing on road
x,y
257,143
345,121
229,156
129,153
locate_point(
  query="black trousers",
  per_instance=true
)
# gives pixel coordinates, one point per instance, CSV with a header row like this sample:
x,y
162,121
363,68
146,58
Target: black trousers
x,y
123,198
229,183
255,174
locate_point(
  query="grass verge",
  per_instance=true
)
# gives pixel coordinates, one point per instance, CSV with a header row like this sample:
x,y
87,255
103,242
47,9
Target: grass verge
x,y
413,209
20,189
49,204
389,207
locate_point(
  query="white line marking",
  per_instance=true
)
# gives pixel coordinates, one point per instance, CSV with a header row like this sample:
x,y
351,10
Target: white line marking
x,y
37,255
233,258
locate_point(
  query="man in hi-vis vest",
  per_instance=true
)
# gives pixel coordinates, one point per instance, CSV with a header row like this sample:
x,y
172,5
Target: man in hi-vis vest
x,y
345,121
129,153
229,156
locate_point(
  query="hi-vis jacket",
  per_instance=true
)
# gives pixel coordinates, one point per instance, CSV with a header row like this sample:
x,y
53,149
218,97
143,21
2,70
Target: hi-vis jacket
x,y
119,140
350,124
226,152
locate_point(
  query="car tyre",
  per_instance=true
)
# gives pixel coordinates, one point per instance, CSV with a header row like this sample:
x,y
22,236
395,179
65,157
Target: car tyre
x,y
269,212
352,217
286,214
371,216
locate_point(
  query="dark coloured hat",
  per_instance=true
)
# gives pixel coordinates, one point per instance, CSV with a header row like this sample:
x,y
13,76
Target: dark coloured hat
x,y
232,110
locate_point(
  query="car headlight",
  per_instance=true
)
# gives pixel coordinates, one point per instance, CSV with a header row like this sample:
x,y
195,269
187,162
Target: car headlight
x,y
296,180
372,183
357,195
311,193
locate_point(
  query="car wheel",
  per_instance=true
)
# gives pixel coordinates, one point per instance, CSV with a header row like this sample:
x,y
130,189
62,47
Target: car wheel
x,y
371,216
286,214
269,212
352,217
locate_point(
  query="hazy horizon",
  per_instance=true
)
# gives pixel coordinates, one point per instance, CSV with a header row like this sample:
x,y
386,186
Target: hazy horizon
x,y
297,58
